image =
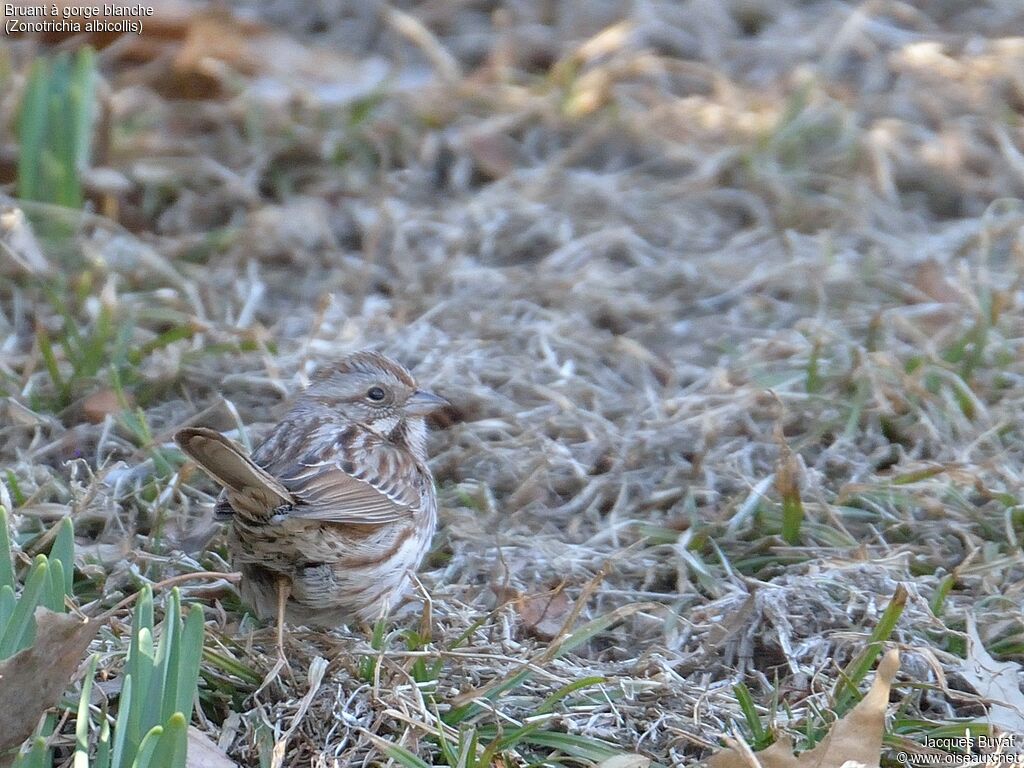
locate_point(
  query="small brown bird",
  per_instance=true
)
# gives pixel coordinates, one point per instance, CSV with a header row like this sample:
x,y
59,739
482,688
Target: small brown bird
x,y
335,509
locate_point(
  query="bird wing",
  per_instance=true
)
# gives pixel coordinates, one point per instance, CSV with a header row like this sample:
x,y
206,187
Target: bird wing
x,y
356,479
365,483
329,494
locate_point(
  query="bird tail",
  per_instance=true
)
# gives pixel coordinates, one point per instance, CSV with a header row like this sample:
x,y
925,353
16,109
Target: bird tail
x,y
251,490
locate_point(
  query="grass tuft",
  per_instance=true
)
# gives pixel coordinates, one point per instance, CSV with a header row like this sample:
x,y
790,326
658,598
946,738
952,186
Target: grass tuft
x,y
55,128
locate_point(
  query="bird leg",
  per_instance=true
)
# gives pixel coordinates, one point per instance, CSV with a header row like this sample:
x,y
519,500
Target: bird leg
x,y
284,588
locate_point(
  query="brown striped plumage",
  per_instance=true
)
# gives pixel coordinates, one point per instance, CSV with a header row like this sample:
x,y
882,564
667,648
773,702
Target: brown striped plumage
x,y
337,505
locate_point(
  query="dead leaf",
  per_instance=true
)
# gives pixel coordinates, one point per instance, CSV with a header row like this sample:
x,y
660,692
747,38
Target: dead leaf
x,y
34,678
995,681
97,406
204,753
218,36
856,737
545,615
542,615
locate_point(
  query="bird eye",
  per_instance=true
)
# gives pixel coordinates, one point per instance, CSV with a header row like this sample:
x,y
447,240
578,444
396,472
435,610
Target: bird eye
x,y
375,393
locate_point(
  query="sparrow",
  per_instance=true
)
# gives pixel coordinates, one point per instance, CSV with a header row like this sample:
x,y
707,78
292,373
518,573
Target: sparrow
x,y
334,511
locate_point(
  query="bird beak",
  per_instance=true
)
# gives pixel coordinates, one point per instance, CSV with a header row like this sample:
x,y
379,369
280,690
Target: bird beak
x,y
423,403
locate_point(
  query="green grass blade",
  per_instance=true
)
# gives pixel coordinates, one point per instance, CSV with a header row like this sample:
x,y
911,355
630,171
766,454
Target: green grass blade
x,y
468,711
232,666
17,495
37,757
55,128
468,752
173,743
82,720
572,744
163,693
187,673
144,758
746,702
165,339
52,368
144,610
368,664
54,593
141,670
7,603
402,756
120,756
595,627
938,601
846,690
94,349
83,101
63,180
32,122
548,705
787,483
812,380
20,632
102,759
7,578
446,749
512,738
63,551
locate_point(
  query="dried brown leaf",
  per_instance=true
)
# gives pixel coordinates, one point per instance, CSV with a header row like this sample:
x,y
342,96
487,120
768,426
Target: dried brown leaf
x,y
543,615
218,36
97,406
204,753
996,681
33,679
856,737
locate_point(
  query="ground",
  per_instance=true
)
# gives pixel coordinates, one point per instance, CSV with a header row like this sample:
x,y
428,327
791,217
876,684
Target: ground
x,y
728,298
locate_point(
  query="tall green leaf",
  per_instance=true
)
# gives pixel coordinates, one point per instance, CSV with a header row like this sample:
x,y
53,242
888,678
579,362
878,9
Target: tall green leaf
x,y
6,553
82,720
63,550
20,630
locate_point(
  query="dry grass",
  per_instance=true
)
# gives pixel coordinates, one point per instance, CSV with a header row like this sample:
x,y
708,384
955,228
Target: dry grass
x,y
647,261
